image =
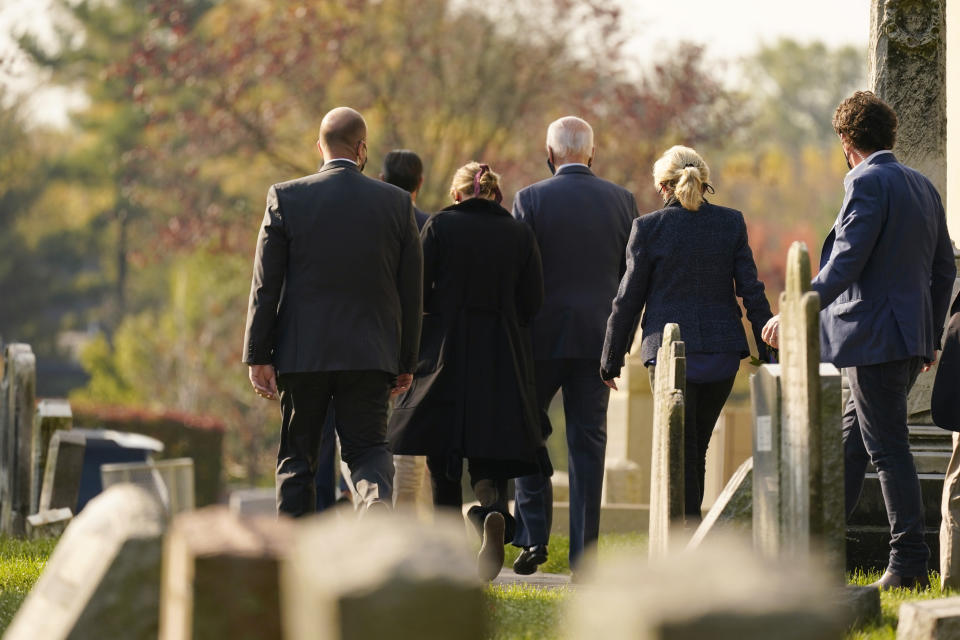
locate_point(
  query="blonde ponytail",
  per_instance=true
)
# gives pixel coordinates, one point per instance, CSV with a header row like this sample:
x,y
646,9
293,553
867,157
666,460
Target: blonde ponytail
x,y
685,173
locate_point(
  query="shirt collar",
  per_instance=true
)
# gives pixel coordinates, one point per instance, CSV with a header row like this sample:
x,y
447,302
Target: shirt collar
x,y
353,162
571,164
860,168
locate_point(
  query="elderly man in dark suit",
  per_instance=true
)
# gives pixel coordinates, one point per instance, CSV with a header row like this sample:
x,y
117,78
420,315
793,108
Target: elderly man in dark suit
x,y
334,314
886,274
403,168
582,224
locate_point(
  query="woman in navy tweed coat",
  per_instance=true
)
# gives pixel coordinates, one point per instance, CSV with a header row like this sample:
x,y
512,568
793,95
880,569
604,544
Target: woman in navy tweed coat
x,y
687,263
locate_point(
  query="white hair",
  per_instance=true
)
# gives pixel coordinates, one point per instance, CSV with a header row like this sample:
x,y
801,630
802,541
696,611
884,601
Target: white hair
x,y
570,137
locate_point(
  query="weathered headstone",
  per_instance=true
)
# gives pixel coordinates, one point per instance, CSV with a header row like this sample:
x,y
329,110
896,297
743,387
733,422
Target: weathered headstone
x,y
811,481
382,576
717,591
63,470
171,480
48,524
666,468
254,502
16,420
732,512
103,579
766,398
221,576
929,620
51,416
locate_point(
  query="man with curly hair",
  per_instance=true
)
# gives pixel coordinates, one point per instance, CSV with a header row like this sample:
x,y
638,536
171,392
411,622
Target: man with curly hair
x,y
886,275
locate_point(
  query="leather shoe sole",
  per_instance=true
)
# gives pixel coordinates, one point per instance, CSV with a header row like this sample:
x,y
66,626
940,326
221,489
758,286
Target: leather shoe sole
x,y
490,558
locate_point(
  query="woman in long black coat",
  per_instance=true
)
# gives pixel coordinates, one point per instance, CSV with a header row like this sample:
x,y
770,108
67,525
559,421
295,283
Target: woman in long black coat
x,y
473,395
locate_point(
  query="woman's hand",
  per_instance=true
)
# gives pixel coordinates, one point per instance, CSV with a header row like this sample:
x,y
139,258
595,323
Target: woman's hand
x,y
611,383
771,332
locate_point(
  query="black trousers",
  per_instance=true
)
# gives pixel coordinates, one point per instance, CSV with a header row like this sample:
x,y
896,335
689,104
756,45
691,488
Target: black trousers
x,y
702,404
875,429
360,399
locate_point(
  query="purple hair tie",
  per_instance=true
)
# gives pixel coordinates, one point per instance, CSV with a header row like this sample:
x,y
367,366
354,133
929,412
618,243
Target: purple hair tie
x,y
484,168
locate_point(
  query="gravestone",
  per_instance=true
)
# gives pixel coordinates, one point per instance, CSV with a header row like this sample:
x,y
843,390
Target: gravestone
x,y
48,524
63,470
929,620
382,576
732,512
254,502
812,513
171,480
721,590
51,416
221,576
18,394
666,468
766,397
103,578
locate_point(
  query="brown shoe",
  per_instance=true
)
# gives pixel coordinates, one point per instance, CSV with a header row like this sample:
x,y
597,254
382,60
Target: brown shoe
x,y
891,580
490,558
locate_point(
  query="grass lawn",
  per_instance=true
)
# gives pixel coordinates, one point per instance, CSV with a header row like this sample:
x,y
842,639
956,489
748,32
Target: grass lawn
x,y
516,612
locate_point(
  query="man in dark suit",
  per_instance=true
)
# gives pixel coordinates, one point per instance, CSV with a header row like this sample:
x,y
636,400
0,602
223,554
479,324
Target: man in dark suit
x,y
582,224
886,274
403,168
334,314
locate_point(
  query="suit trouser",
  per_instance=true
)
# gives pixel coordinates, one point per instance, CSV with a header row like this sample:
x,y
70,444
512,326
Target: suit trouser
x,y
702,404
585,399
875,430
360,401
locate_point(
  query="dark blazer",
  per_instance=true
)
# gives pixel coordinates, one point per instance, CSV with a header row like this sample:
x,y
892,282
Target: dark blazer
x,y
687,267
582,224
336,277
473,394
420,217
886,269
945,399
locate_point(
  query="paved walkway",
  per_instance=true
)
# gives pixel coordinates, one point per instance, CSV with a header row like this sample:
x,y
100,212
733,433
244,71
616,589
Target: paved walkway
x,y
538,579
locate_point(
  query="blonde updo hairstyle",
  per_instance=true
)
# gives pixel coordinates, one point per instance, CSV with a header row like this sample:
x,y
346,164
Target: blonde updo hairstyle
x,y
685,174
465,182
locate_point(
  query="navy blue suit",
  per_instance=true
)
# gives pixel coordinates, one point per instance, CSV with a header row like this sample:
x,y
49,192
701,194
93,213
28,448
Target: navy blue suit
x,y
886,275
582,224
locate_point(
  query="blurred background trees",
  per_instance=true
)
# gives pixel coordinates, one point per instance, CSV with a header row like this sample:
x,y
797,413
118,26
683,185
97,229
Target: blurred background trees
x,y
128,237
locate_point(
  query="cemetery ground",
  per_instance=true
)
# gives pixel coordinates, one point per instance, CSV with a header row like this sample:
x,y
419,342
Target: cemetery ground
x,y
517,612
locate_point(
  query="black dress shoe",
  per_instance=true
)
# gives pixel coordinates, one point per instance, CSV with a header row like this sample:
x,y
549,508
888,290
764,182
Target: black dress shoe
x,y
892,580
529,559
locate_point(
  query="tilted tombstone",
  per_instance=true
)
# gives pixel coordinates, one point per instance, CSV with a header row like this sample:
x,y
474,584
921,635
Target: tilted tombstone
x,y
721,590
103,578
52,416
811,481
666,468
171,480
63,470
382,576
929,620
221,575
16,419
732,512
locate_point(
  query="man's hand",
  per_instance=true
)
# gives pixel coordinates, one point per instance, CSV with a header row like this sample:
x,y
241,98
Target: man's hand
x,y
771,332
403,383
263,377
927,366
612,383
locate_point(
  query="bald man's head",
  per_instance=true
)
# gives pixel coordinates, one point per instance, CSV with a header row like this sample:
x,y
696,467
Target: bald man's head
x,y
341,132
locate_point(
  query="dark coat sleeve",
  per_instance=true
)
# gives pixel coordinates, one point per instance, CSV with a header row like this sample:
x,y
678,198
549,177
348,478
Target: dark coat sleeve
x,y
627,305
410,290
860,224
751,290
530,284
942,277
269,270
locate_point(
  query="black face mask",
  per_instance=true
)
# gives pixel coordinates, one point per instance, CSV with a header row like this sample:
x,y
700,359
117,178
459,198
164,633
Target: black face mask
x,y
553,169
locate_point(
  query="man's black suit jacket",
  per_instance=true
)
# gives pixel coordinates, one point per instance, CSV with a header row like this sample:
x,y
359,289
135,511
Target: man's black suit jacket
x,y
337,277
582,224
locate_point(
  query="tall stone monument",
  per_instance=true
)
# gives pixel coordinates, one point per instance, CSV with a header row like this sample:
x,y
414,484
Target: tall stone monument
x,y
666,467
18,397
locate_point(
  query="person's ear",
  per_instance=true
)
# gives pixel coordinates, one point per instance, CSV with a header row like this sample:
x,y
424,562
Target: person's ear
x,y
380,177
419,184
593,151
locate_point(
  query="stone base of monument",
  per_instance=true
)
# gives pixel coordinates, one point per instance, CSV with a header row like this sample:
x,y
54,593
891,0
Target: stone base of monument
x,y
868,531
48,524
